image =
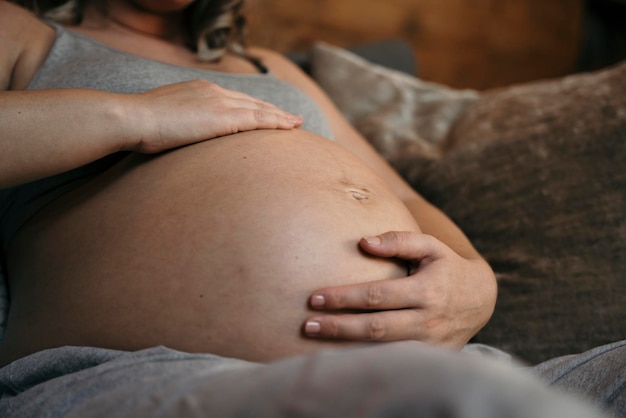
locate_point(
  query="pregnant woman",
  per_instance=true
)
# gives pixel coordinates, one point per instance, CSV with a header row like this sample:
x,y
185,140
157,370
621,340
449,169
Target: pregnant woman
x,y
155,193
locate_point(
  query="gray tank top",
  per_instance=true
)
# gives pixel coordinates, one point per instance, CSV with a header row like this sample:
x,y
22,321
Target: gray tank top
x,y
76,61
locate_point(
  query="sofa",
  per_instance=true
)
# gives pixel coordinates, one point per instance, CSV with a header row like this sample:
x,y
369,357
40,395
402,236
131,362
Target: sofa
x,y
535,174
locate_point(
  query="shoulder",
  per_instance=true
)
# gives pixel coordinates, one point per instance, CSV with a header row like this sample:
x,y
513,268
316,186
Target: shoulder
x,y
11,14
27,40
15,21
286,70
280,65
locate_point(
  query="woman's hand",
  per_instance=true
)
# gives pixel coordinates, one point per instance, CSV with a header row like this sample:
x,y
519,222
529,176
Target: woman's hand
x,y
191,111
445,300
69,128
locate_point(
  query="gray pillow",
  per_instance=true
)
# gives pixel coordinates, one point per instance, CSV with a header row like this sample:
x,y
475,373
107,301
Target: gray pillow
x,y
398,113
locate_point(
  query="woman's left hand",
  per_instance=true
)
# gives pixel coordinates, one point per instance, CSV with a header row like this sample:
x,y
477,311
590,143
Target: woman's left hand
x,y
445,300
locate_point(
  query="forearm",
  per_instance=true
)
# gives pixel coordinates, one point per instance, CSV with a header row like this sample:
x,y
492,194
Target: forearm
x,y
50,131
46,132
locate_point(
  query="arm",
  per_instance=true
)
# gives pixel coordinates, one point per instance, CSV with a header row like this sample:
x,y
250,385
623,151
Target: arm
x,y
46,132
451,292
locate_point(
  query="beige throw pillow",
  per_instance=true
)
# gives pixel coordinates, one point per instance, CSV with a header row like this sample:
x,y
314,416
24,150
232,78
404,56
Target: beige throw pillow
x,y
398,113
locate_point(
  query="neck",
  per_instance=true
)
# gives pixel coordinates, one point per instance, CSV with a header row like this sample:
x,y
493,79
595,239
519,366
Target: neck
x,y
123,16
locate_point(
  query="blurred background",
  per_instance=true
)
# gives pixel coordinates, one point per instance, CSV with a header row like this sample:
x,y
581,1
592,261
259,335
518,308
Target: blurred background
x,y
476,44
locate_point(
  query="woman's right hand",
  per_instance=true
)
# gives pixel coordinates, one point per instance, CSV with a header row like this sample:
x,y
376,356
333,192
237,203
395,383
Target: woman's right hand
x,y
47,132
192,111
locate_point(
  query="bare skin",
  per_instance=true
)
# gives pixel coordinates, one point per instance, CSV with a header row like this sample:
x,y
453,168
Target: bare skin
x,y
207,249
92,256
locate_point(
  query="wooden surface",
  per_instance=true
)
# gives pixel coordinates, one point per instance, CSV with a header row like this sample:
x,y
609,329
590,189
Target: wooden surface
x,y
461,43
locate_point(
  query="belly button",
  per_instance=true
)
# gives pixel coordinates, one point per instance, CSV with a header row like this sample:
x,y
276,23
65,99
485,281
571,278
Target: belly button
x,y
360,194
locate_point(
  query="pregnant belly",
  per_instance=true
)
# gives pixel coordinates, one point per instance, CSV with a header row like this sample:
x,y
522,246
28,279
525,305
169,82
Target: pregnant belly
x,y
214,247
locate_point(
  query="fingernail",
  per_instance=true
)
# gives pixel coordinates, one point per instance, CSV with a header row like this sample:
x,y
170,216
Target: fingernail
x,y
312,327
296,119
318,301
373,240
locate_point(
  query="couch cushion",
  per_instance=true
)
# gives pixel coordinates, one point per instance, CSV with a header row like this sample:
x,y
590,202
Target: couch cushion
x,y
400,114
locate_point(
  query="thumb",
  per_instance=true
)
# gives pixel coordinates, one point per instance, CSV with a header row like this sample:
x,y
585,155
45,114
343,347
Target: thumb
x,y
405,245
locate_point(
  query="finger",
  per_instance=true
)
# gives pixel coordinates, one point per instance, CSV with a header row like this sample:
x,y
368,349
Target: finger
x,y
271,119
243,112
246,119
402,244
248,115
385,294
253,103
380,326
237,116
245,101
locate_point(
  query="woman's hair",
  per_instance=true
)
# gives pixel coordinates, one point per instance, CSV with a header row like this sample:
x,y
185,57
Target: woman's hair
x,y
210,27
